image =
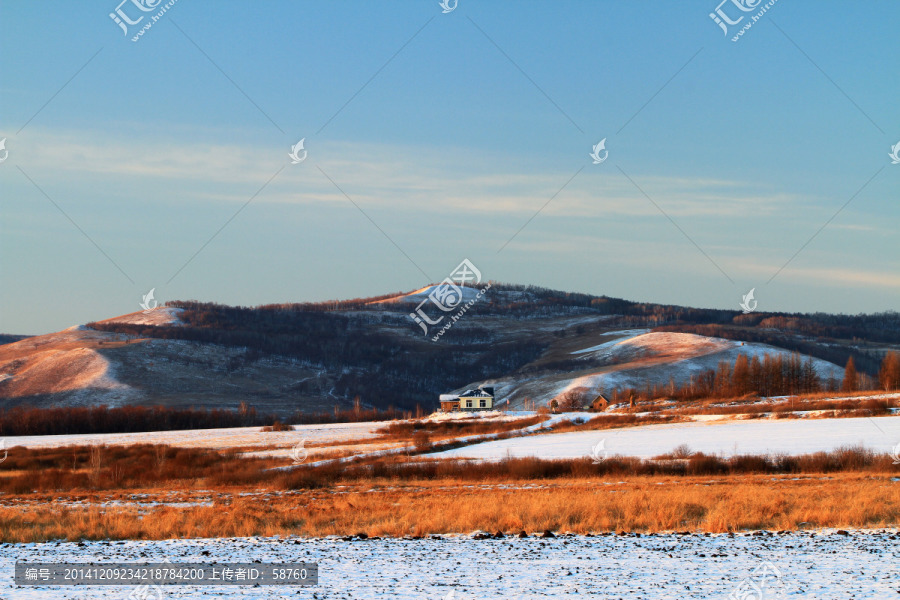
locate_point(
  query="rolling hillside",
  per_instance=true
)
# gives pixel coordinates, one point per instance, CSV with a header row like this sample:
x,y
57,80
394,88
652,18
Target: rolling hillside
x,y
533,344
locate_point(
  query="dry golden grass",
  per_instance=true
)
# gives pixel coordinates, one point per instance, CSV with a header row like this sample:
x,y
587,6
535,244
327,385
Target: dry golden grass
x,y
751,403
838,407
448,430
65,493
76,469
615,421
646,504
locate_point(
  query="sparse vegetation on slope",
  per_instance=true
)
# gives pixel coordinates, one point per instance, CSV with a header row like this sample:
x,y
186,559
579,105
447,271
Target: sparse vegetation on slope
x,y
314,356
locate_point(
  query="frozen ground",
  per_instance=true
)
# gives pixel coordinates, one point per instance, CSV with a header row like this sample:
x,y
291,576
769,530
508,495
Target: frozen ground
x,y
821,566
505,415
789,436
211,438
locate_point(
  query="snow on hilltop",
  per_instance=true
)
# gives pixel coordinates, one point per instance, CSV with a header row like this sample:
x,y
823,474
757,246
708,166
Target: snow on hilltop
x,y
74,362
635,358
628,333
638,344
67,362
468,293
157,316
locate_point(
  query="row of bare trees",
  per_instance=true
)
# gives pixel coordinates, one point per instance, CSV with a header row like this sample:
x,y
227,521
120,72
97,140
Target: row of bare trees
x,y
25,420
771,375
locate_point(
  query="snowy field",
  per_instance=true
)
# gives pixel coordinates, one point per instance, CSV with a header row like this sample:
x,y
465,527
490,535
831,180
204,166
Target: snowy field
x,y
789,436
211,438
239,437
806,565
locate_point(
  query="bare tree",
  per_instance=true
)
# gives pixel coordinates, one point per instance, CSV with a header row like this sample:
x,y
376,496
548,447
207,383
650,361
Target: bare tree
x,y
573,400
160,455
889,374
96,461
851,378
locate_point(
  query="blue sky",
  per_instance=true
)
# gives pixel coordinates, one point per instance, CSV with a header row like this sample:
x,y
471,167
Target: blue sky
x,y
449,131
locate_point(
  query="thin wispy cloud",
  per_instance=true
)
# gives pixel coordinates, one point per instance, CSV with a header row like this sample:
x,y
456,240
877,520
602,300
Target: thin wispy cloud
x,y
865,277
385,176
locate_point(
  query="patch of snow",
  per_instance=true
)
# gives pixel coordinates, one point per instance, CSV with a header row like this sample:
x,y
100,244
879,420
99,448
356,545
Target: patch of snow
x,y
625,333
468,293
479,414
158,316
729,438
862,565
211,438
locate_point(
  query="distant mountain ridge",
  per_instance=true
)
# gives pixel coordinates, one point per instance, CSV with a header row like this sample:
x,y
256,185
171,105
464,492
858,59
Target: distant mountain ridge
x,y
8,338
531,342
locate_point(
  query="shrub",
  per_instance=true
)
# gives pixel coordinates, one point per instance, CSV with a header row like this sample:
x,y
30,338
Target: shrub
x,y
682,451
702,464
422,441
278,426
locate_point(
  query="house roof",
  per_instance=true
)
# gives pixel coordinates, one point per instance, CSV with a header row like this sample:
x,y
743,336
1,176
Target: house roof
x,y
478,393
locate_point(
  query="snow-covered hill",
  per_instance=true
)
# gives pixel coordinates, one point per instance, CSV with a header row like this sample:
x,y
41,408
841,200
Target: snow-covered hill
x,y
533,345
637,358
81,366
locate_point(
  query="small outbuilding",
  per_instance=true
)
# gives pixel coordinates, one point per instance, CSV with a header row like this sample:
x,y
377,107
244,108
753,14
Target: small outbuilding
x,y
598,404
449,402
